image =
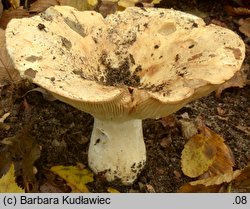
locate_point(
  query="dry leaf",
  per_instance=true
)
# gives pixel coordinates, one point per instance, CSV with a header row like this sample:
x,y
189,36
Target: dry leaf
x,y
79,4
245,129
206,152
239,182
224,159
9,14
188,128
211,184
168,121
245,26
131,3
238,80
24,146
112,190
187,188
3,118
197,156
235,11
15,3
76,178
7,71
46,95
41,5
8,183
242,182
1,8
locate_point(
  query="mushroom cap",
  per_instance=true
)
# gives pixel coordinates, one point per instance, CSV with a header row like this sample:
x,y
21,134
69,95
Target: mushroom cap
x,y
139,63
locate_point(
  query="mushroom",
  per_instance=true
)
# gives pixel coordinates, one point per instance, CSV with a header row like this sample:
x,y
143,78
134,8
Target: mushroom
x,y
129,66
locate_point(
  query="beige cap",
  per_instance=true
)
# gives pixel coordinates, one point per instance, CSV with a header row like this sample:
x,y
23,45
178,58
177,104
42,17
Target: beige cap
x,y
139,63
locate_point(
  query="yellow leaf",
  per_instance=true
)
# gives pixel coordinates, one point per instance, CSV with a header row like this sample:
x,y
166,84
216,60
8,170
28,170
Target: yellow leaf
x,y
8,183
197,156
206,152
112,190
79,4
15,3
76,178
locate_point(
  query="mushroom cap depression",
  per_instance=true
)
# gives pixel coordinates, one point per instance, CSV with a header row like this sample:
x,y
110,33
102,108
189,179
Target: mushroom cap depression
x,y
139,63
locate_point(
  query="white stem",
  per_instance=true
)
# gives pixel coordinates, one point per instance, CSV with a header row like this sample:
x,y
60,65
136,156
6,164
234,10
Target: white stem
x,y
117,149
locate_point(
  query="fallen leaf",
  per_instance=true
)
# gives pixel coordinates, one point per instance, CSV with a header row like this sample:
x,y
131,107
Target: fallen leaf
x,y
211,184
244,129
131,3
165,142
25,149
46,95
79,4
76,178
245,26
206,153
236,11
187,188
1,8
8,183
15,3
9,14
242,182
112,190
224,159
238,80
168,121
232,181
150,188
197,156
2,119
41,5
188,128
7,72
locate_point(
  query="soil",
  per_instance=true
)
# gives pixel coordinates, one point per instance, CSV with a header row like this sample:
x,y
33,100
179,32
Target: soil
x,y
63,132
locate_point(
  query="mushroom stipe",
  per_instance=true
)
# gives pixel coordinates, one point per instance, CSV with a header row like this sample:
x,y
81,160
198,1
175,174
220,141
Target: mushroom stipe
x,y
128,66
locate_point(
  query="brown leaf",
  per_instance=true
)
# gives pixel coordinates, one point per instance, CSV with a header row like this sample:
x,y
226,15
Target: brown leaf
x,y
197,156
235,11
242,182
1,8
12,13
187,188
14,3
245,26
245,129
239,181
165,142
168,121
41,5
211,184
238,80
46,95
224,159
206,152
78,4
7,72
25,148
188,128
